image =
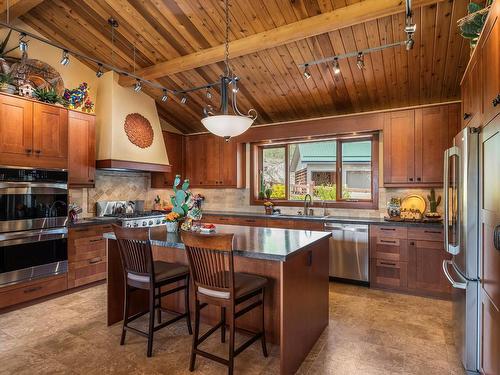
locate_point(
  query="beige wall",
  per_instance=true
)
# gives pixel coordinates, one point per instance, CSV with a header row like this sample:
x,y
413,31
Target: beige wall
x,y
73,74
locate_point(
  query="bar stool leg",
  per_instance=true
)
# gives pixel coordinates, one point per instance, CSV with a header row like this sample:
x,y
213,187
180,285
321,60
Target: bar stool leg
x,y
232,329
159,303
152,303
125,314
195,336
263,338
187,307
223,327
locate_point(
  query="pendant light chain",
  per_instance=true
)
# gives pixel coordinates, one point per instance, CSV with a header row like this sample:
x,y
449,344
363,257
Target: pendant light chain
x,y
226,57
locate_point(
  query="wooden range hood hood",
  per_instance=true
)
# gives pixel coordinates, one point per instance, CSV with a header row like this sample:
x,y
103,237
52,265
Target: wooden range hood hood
x,y
129,134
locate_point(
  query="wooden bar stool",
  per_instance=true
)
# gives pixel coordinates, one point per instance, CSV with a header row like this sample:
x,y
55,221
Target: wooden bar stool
x,y
211,264
142,273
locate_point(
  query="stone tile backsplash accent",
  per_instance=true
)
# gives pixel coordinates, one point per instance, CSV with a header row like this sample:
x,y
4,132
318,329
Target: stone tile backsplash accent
x,y
113,185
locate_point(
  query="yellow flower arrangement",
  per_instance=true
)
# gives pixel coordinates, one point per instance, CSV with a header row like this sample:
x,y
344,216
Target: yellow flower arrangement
x,y
268,204
172,216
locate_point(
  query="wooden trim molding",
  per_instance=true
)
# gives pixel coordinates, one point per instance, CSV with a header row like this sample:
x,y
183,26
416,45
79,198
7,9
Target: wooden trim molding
x,y
132,165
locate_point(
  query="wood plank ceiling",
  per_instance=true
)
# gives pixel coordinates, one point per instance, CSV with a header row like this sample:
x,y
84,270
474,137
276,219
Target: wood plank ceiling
x,y
271,81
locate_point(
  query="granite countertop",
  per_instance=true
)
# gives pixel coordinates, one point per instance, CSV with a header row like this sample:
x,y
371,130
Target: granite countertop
x,y
329,218
92,221
251,242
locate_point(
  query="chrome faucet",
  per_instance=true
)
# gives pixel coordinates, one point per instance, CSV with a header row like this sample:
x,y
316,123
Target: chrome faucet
x,y
307,204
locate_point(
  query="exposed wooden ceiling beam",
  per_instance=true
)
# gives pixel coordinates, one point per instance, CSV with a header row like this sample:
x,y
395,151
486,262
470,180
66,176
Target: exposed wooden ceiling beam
x,y
17,8
326,22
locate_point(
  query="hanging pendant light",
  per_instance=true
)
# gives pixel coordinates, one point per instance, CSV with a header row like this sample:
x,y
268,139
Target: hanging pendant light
x,y
223,123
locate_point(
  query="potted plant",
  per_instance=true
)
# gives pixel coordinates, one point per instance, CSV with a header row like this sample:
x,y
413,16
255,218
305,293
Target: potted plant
x,y
268,206
6,83
470,26
172,221
48,95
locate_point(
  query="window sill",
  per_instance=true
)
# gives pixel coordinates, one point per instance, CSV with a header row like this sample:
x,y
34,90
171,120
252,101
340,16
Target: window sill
x,y
364,205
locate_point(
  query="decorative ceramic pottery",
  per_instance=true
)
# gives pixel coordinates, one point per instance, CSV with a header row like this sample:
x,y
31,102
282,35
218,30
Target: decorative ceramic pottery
x,y
172,226
394,207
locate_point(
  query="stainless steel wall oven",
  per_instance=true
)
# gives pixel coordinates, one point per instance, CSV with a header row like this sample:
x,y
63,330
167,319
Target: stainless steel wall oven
x,y
33,217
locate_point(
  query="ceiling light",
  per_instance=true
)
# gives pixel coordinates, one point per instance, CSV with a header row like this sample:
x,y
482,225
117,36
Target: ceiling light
x,y
65,58
208,94
164,97
235,86
138,85
99,72
307,73
360,62
336,67
23,45
184,99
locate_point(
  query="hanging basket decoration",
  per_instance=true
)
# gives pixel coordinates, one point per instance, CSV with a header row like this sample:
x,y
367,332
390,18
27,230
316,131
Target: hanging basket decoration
x,y
139,130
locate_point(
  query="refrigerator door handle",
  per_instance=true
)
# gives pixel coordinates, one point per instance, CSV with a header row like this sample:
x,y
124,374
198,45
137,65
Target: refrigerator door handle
x,y
450,248
454,284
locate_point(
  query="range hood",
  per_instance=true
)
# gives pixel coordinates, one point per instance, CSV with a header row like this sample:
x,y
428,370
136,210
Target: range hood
x,y
128,130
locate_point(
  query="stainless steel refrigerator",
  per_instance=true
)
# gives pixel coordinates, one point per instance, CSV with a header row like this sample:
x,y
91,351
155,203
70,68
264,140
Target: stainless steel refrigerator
x,y
461,214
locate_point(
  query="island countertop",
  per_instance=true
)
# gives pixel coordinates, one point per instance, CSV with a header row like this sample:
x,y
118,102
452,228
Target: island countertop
x,y
251,242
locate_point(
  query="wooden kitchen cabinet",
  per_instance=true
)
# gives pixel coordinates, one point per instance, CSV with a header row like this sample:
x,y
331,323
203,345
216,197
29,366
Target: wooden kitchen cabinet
x,y
471,95
81,151
490,65
87,254
490,337
414,145
33,134
174,143
213,162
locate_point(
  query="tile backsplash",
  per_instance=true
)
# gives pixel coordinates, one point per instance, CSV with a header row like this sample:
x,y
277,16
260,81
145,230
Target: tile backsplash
x,y
113,185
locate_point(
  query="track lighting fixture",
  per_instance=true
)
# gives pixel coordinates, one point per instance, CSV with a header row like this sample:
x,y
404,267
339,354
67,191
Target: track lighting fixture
x,y
336,66
23,45
307,73
208,94
409,43
184,99
65,58
138,85
99,72
164,97
360,62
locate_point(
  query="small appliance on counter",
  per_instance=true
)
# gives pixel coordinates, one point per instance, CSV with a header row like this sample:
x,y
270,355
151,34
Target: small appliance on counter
x,y
33,218
129,214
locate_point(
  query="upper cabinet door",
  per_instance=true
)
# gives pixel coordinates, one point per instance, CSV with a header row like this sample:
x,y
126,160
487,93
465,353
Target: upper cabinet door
x,y
399,148
431,137
471,96
491,68
16,126
174,144
50,131
212,161
228,163
81,153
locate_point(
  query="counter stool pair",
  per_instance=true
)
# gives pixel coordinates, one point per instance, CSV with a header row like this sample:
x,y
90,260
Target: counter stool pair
x,y
211,266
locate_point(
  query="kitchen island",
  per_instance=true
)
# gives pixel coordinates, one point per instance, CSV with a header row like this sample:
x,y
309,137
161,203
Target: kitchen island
x,y
295,263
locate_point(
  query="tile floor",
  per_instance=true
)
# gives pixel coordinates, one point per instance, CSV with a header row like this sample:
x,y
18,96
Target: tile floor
x,y
370,332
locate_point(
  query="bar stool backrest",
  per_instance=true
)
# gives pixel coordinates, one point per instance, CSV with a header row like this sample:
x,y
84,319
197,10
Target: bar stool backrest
x,y
136,255
211,263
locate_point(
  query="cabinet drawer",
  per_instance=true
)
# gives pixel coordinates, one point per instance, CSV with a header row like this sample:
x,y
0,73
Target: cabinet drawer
x,y
308,225
252,222
388,231
218,219
31,290
88,231
277,223
86,271
426,234
388,274
388,248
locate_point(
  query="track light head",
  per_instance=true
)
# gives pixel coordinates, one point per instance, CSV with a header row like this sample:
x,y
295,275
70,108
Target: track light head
x,y
65,58
164,97
99,72
184,99
208,94
138,85
23,45
360,62
409,43
336,66
307,73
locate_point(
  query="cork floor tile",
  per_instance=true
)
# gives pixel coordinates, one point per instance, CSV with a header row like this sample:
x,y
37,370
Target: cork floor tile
x,y
370,332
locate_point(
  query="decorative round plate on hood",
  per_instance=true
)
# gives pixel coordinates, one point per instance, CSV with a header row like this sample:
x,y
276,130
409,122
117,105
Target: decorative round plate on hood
x,y
139,130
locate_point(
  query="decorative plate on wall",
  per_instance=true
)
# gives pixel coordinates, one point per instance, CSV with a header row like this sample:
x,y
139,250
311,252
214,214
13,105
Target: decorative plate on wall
x,y
37,74
139,130
413,202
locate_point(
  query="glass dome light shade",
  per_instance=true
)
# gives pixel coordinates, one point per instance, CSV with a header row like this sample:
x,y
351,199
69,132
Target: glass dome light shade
x,y
227,125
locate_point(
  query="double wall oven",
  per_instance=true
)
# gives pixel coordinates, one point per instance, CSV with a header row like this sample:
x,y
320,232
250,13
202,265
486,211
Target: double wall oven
x,y
33,218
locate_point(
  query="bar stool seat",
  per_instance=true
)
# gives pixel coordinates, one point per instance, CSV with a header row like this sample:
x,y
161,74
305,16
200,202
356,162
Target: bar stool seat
x,y
165,271
244,284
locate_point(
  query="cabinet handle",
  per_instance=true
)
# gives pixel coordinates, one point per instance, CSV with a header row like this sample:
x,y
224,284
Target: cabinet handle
x,y
496,101
388,264
81,230
410,179
433,231
38,151
419,179
31,290
29,150
97,240
91,180
386,241
393,229
412,243
467,115
95,260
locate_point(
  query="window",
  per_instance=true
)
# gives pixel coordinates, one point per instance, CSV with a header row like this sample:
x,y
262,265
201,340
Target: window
x,y
340,172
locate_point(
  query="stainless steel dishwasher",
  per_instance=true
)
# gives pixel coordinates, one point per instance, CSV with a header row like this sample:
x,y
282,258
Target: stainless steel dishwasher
x,y
349,252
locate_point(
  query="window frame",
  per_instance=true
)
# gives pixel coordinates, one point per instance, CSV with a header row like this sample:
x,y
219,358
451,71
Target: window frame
x,y
256,164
